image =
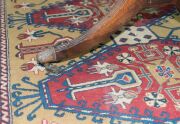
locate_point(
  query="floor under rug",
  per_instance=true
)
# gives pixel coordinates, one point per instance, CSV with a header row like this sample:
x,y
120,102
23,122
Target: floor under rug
x,y
134,78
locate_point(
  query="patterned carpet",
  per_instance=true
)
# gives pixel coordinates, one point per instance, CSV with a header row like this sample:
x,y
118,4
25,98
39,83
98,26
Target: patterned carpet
x,y
134,78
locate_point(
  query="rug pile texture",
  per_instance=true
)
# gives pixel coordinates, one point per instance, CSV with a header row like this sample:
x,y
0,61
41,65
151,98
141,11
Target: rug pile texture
x,y
133,78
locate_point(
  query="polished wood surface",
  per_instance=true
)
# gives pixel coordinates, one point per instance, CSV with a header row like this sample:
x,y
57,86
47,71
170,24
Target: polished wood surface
x,y
121,13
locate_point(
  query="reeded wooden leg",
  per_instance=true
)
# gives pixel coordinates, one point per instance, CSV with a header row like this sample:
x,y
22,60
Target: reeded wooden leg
x,y
121,13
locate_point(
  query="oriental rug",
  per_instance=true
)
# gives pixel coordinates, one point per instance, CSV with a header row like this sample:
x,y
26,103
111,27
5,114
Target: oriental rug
x,y
133,78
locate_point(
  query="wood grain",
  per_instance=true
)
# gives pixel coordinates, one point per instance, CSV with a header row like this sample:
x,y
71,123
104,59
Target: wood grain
x,y
122,12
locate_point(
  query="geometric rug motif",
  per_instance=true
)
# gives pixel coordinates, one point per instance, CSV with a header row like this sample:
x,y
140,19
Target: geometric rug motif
x,y
132,78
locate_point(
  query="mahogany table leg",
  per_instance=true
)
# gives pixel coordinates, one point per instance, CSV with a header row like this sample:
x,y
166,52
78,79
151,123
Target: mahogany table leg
x,y
122,11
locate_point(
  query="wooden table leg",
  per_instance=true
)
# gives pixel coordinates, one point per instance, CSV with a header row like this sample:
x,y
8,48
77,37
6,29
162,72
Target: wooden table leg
x,y
120,14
